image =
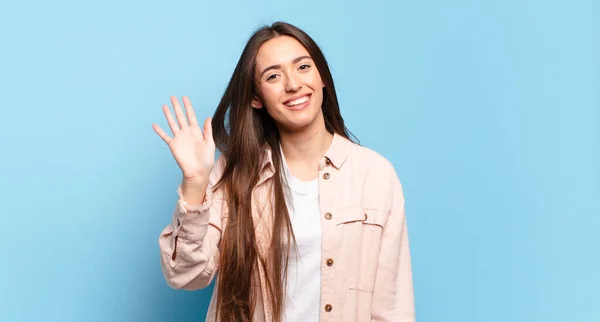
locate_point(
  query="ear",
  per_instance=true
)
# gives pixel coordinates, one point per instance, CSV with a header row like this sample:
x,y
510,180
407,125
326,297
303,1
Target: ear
x,y
256,103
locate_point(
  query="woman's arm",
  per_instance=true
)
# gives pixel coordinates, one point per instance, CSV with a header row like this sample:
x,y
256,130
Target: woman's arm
x,y
189,249
393,298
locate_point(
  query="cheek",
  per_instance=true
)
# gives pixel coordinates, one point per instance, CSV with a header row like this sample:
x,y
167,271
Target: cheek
x,y
271,94
315,81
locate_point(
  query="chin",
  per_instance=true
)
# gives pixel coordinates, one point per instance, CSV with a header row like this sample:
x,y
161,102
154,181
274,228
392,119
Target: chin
x,y
302,121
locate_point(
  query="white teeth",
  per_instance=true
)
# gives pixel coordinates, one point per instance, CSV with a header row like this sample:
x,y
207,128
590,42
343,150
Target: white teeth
x,y
298,101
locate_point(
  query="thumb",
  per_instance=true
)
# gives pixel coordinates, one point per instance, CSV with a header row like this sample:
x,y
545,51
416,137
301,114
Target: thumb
x,y
208,134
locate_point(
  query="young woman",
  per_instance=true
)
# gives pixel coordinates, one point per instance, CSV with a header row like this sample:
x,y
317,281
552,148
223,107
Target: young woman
x,y
301,223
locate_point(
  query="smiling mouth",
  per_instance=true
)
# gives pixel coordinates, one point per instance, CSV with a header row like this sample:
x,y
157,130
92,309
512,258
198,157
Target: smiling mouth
x,y
298,101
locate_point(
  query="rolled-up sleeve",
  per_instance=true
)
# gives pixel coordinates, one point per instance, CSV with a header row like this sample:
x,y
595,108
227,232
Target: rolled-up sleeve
x,y
189,245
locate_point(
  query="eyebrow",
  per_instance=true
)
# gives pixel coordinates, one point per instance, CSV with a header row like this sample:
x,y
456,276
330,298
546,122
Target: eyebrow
x,y
296,60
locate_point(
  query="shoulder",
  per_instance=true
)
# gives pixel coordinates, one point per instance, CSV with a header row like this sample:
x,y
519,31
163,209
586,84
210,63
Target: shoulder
x,y
371,162
379,180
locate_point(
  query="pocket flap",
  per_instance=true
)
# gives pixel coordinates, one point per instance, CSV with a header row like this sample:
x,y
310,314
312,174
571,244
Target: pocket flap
x,y
375,217
348,215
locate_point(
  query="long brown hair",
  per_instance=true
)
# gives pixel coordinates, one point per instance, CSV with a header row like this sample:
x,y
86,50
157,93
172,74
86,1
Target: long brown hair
x,y
241,133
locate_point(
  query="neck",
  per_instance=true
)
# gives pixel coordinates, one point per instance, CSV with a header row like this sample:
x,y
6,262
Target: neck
x,y
304,149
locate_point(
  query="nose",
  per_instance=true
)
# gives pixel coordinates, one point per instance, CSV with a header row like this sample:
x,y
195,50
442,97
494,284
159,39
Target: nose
x,y
293,83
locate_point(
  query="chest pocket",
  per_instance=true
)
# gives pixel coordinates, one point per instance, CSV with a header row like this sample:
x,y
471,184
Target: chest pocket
x,y
361,232
361,215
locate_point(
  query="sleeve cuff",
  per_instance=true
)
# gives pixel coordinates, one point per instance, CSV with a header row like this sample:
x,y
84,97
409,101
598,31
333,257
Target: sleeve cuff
x,y
185,208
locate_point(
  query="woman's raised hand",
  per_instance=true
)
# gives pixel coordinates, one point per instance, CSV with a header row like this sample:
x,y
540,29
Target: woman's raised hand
x,y
192,147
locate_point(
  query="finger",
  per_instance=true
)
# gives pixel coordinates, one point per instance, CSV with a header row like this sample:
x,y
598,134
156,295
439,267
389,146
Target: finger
x,y
172,124
179,112
161,133
208,135
189,110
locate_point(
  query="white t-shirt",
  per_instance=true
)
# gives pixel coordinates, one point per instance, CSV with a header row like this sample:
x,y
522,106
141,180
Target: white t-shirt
x,y
303,300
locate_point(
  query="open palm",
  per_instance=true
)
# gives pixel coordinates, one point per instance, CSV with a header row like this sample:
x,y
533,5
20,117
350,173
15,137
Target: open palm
x,y
192,147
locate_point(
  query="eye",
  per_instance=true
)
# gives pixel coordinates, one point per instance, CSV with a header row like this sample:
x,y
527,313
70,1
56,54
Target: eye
x,y
304,67
271,77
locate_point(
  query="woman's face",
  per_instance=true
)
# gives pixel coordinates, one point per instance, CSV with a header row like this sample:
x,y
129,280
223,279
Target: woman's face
x,y
289,84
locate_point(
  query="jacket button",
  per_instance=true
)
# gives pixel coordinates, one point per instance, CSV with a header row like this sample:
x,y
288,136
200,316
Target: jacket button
x,y
326,175
328,308
329,262
327,161
328,216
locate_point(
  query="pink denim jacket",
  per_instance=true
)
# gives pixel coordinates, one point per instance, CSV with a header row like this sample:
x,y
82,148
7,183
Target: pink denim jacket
x,y
366,267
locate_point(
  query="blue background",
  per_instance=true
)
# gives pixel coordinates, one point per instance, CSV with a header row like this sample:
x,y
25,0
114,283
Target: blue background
x,y
490,112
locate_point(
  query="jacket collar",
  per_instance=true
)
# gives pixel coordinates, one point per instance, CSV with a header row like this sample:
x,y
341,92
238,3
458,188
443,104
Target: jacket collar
x,y
337,154
338,151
